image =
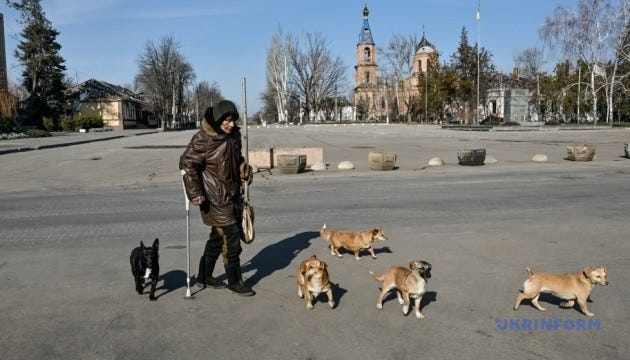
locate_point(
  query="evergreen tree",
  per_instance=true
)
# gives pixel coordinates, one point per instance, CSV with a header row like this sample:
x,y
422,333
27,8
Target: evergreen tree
x,y
464,64
622,95
43,73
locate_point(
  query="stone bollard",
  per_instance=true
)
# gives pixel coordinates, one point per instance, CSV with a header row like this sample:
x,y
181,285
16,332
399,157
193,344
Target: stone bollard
x,y
471,156
380,161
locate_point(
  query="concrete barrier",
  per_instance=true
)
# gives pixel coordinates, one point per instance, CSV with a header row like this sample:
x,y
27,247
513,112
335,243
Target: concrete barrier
x,y
268,158
260,158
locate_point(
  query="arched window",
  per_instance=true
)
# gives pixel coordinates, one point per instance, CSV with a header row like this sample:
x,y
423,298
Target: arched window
x,y
366,54
367,77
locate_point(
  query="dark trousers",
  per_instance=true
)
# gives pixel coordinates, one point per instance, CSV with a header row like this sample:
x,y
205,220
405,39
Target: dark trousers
x,y
225,241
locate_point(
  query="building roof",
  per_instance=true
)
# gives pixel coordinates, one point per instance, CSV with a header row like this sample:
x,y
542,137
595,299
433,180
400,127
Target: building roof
x,y
100,90
424,46
365,36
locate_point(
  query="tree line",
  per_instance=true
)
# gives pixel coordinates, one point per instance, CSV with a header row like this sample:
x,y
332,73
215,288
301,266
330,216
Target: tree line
x,y
165,79
589,81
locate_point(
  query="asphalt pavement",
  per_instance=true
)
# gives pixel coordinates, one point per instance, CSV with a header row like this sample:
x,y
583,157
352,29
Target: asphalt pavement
x,y
71,215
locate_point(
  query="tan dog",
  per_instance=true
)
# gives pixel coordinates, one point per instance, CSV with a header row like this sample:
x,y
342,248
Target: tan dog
x,y
312,280
568,287
409,283
354,241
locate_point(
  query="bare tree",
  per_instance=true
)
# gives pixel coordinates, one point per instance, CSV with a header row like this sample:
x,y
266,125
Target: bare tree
x,y
398,57
277,74
163,75
183,77
315,74
207,95
621,70
530,62
588,34
202,96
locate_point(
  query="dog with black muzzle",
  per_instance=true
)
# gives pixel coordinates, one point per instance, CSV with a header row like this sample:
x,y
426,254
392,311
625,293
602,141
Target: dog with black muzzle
x,y
145,266
408,282
313,279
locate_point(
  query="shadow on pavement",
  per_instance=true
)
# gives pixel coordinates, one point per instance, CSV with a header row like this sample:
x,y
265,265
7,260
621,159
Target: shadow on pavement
x,y
427,298
172,280
277,256
365,253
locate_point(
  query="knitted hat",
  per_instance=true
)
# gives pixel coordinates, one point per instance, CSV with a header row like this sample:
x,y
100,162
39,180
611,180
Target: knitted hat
x,y
208,115
222,110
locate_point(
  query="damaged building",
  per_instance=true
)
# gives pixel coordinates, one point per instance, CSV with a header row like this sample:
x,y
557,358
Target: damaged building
x,y
118,107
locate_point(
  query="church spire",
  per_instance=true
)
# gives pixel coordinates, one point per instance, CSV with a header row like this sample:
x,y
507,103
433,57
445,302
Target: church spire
x,y
365,36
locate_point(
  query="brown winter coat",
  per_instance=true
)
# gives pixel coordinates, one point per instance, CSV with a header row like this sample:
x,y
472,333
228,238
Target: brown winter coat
x,y
207,174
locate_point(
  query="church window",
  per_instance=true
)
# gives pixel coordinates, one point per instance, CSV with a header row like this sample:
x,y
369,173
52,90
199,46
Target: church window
x,y
366,54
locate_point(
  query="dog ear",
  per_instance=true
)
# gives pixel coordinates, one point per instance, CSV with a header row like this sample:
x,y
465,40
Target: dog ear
x,y
322,265
588,269
313,257
156,244
141,245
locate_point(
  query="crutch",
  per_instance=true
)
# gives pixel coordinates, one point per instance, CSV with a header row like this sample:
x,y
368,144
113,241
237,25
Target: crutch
x,y
188,294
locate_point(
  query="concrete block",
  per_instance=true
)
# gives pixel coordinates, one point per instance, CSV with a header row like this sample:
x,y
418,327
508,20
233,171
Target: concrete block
x,y
313,155
260,158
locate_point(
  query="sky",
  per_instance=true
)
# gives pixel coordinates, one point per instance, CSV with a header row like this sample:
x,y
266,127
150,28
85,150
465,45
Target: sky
x,y
226,41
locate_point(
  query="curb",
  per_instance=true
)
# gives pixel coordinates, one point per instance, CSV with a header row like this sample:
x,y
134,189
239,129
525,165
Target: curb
x,y
51,146
14,150
70,143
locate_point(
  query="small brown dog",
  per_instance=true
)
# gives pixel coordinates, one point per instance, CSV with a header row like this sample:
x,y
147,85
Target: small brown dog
x,y
312,280
409,283
354,241
568,287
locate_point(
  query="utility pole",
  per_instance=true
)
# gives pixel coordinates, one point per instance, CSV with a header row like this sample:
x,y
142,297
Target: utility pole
x,y
578,96
426,94
478,16
336,118
173,109
386,102
197,123
245,144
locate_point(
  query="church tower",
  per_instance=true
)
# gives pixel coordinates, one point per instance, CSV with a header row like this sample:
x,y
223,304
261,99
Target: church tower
x,y
424,52
366,78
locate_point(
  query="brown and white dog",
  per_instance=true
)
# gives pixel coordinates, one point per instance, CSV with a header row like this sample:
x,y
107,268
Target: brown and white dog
x,y
313,279
568,287
409,283
354,241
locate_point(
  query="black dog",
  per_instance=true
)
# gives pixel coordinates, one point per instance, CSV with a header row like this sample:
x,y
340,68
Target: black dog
x,y
145,265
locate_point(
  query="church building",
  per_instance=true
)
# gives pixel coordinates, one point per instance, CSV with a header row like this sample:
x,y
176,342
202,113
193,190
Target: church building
x,y
374,99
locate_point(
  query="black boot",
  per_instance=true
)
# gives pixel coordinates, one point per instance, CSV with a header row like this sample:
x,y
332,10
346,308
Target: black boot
x,y
204,276
235,281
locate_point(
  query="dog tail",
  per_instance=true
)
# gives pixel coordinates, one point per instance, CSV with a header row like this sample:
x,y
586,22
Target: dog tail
x,y
377,277
323,232
530,272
